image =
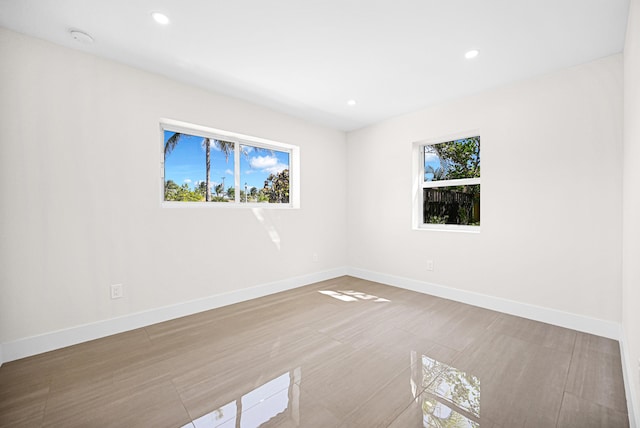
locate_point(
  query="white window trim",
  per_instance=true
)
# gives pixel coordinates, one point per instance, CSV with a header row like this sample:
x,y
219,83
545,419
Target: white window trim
x,y
239,139
419,184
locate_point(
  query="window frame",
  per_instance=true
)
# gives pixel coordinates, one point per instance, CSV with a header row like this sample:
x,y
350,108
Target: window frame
x,y
419,184
238,140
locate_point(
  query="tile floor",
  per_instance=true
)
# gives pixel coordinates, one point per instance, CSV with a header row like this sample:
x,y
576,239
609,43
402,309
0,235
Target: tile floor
x,y
340,353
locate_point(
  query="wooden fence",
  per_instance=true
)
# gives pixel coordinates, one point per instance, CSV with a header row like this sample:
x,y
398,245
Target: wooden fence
x,y
451,206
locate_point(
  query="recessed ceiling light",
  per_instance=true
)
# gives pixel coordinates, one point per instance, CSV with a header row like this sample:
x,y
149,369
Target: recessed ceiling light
x,y
81,36
160,18
472,54
351,103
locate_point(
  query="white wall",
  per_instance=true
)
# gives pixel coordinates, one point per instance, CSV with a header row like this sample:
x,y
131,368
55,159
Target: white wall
x,y
80,153
551,194
631,205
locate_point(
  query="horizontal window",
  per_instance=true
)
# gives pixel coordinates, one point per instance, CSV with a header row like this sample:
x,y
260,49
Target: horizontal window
x,y
205,165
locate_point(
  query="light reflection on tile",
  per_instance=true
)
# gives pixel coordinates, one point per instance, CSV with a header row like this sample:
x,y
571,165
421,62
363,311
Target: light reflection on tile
x,y
451,397
218,417
338,296
277,398
352,296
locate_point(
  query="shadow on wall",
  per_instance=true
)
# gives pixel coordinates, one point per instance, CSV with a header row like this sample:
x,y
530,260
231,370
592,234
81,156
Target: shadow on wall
x,y
273,234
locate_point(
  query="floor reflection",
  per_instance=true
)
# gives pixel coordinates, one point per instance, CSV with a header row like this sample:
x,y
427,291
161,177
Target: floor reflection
x,y
352,296
447,396
274,402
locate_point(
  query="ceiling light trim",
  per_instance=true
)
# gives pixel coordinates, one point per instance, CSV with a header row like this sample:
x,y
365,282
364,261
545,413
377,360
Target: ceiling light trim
x,y
473,53
160,18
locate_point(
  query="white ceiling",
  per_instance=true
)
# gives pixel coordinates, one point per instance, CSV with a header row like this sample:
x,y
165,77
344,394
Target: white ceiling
x,y
308,57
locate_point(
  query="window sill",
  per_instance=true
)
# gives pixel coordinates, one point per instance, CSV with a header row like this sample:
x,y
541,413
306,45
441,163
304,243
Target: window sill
x,y
448,228
226,205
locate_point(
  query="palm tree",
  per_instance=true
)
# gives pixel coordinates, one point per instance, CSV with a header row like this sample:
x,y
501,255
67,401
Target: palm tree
x,y
219,189
225,147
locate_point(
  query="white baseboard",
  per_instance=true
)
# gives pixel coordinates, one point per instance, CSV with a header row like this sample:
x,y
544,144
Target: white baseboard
x,y
34,345
581,323
633,406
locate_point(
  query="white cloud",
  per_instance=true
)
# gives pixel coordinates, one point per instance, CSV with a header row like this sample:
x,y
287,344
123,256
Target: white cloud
x,y
267,163
263,162
430,157
276,169
187,180
228,172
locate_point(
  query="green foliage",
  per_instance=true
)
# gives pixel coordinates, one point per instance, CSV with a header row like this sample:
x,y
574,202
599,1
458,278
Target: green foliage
x,y
435,219
202,188
276,187
262,197
219,189
173,192
458,159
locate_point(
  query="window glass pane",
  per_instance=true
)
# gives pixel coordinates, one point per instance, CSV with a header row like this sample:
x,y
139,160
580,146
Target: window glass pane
x,y
264,175
452,205
222,170
452,160
193,164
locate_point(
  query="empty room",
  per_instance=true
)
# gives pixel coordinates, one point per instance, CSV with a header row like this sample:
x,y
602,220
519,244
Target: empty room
x,y
273,214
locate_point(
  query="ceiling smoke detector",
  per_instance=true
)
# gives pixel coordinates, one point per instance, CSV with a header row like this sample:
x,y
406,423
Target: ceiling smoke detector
x,y
81,36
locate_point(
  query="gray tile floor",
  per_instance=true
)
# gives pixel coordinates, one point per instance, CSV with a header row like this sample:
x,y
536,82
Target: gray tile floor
x,y
340,353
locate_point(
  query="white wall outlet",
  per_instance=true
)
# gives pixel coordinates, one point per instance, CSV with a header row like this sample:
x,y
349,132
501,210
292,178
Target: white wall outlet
x,y
314,257
117,291
429,264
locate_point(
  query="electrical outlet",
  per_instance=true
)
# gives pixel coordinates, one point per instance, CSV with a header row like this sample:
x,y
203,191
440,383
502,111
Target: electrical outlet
x,y
429,265
117,291
314,257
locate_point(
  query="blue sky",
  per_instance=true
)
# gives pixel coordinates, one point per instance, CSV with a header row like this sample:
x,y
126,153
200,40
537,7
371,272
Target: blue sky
x,y
432,160
186,164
